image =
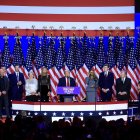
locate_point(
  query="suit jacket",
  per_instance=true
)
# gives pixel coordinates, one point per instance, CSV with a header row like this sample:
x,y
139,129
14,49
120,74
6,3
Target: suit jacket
x,y
106,82
123,87
47,81
6,84
62,82
15,90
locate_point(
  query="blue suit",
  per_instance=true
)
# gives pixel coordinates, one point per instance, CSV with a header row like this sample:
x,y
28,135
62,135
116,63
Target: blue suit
x,y
15,90
106,82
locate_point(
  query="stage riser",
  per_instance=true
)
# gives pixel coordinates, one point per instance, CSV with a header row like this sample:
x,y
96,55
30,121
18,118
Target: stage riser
x,y
108,110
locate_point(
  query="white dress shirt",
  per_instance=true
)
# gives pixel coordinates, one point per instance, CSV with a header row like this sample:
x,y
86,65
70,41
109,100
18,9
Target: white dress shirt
x,y
31,86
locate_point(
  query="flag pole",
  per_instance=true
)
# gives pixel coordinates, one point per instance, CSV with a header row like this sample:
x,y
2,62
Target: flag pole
x,y
45,28
128,30
85,28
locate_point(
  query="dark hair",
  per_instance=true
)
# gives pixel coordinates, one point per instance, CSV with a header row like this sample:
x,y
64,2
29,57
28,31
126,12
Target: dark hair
x,y
139,82
124,71
106,65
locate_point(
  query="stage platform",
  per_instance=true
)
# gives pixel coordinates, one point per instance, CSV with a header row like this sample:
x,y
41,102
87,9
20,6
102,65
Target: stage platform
x,y
108,110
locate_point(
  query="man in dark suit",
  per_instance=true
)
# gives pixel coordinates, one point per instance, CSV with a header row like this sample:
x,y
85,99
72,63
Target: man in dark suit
x,y
106,81
123,87
4,86
66,81
17,83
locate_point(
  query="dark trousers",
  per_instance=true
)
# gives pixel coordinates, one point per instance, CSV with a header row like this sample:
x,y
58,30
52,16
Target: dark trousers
x,y
122,98
44,93
106,96
32,98
4,101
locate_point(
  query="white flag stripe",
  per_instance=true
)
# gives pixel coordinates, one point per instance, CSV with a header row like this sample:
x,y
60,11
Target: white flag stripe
x,y
57,74
132,72
79,3
80,81
67,10
66,25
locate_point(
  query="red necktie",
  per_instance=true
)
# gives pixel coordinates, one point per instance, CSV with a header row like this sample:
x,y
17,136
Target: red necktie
x,y
68,83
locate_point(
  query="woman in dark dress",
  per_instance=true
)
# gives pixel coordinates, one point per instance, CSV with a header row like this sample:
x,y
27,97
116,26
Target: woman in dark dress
x,y
44,87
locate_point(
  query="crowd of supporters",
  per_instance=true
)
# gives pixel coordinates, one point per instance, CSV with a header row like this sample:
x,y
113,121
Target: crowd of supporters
x,y
40,128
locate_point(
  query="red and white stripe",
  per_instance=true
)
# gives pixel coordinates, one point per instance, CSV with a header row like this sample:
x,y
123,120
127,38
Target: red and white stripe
x,y
54,83
132,74
11,69
78,13
24,71
81,74
116,75
57,74
97,72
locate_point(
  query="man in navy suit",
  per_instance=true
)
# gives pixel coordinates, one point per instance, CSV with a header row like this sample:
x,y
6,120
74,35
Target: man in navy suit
x,y
17,83
106,81
66,81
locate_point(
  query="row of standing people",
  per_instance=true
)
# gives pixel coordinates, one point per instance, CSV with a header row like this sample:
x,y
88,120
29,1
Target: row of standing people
x,y
14,85
105,85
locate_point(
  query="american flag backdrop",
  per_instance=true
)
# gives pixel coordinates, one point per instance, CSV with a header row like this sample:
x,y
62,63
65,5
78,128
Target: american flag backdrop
x,y
77,53
79,13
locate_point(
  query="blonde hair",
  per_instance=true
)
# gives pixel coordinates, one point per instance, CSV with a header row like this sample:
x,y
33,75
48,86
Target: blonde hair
x,y
31,72
42,73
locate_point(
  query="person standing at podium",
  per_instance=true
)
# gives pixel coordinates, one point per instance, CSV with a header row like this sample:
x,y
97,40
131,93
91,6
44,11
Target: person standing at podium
x,y
91,87
66,81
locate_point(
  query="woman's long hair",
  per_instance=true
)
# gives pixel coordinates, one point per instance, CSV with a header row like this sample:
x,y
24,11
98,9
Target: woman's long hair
x,y
42,73
94,76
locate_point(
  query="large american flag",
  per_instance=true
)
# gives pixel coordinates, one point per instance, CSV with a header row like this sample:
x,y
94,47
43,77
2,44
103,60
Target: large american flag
x,y
50,63
6,56
101,56
39,58
138,55
111,62
79,13
132,71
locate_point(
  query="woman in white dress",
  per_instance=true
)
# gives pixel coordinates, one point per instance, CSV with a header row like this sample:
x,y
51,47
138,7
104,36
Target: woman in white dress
x,y
31,87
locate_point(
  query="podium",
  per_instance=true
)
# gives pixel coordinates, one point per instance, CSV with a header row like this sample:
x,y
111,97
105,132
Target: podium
x,y
68,92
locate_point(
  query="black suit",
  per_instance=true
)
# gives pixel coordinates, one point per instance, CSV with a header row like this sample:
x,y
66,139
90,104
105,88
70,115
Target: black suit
x,y
4,86
106,82
123,87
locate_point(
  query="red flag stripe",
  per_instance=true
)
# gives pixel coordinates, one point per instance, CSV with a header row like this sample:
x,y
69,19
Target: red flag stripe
x,y
67,17
69,3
